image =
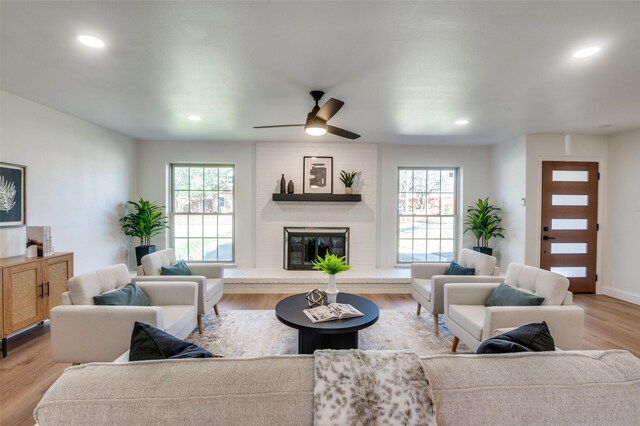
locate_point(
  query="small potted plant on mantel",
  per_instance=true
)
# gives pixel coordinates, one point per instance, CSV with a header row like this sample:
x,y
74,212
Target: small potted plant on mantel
x,y
145,221
348,179
483,220
331,265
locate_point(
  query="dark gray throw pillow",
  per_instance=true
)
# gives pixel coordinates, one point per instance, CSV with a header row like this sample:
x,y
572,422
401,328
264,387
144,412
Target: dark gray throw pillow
x,y
179,268
129,295
149,342
457,269
505,295
534,337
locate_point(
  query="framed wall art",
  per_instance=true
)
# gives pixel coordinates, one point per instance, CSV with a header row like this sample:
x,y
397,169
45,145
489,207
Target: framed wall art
x,y
12,195
318,175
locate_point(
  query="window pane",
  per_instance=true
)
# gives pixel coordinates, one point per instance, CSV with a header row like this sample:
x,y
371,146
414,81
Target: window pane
x,y
446,248
196,178
433,228
570,176
447,204
568,248
196,201
225,226
569,200
195,248
448,181
182,248
181,178
211,249
433,184
405,250
210,202
447,228
406,226
405,203
180,226
569,224
210,226
225,201
406,180
195,226
433,204
419,227
570,271
224,249
419,181
419,250
211,179
181,201
226,179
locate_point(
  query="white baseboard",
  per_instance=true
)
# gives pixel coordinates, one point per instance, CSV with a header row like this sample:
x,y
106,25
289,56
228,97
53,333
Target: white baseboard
x,y
622,294
286,288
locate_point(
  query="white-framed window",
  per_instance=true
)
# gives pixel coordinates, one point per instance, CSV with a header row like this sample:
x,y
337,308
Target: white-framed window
x,y
427,214
202,212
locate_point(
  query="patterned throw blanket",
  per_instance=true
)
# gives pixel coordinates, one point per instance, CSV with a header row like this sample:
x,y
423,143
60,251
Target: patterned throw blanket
x,y
371,388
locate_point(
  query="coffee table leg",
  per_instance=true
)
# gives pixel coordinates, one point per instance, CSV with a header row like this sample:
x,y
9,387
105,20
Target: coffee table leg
x,y
309,341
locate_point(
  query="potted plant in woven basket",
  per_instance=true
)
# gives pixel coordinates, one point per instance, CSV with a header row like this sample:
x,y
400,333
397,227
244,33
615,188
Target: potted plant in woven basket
x,y
348,178
331,265
145,221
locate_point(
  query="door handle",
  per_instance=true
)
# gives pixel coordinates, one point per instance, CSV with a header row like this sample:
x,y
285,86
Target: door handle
x,y
546,237
42,290
47,284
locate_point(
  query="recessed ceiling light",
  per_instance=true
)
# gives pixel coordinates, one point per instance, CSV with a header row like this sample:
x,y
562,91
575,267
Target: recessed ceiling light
x,y
462,122
91,41
194,117
583,53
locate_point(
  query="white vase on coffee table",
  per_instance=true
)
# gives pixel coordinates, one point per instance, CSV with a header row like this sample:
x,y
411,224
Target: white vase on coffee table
x,y
332,290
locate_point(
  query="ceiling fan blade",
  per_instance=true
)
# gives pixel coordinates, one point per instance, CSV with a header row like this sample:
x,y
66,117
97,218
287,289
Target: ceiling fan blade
x,y
329,109
279,125
342,132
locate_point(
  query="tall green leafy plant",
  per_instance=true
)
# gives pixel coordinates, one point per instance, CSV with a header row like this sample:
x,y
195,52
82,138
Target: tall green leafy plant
x,y
348,178
483,220
331,264
144,221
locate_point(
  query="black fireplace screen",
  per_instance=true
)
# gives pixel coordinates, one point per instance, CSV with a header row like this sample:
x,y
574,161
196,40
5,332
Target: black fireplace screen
x,y
303,245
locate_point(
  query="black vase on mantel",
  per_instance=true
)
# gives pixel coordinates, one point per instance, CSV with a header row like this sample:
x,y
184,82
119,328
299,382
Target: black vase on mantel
x,y
290,187
283,185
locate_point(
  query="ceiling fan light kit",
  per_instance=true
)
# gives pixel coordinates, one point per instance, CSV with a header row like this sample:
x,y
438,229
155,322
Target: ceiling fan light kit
x,y
316,124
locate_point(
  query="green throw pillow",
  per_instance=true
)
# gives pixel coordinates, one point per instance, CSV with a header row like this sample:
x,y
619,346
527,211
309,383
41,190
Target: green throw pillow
x,y
179,268
129,295
457,269
505,295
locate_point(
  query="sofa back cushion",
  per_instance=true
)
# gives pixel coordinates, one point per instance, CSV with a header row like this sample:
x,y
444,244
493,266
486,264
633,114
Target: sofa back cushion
x,y
553,287
152,262
82,288
482,263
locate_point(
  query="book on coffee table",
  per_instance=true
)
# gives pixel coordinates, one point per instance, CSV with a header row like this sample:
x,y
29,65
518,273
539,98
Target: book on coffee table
x,y
331,312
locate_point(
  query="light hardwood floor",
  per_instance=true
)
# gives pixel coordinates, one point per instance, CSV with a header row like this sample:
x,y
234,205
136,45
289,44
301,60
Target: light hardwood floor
x,y
29,370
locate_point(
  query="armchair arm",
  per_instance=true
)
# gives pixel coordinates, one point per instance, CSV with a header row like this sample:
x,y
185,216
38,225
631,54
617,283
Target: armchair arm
x,y
171,293
427,270
198,279
566,323
467,294
438,282
209,270
89,333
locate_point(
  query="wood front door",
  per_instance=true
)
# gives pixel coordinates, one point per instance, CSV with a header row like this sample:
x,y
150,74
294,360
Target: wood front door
x,y
569,222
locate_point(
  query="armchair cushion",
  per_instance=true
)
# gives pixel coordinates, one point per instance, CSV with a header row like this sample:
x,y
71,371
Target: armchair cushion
x,y
152,262
553,287
148,342
482,263
179,268
456,269
469,317
83,287
423,287
506,295
534,337
129,295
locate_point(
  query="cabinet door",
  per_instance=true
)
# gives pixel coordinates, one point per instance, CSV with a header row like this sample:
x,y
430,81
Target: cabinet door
x,y
57,272
23,293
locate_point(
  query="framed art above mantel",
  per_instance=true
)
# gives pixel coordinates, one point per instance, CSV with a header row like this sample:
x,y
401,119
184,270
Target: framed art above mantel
x,y
318,175
12,195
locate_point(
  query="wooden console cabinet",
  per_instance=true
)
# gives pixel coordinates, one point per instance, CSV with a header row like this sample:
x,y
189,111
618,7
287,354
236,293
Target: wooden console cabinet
x,y
30,288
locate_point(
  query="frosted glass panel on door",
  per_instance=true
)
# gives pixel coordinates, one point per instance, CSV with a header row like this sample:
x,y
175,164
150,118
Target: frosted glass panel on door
x,y
569,224
570,176
569,200
568,248
570,271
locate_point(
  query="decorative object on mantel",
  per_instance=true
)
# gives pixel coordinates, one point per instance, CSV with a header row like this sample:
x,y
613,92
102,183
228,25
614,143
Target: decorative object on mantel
x,y
483,220
315,297
317,175
290,187
40,238
348,179
12,194
144,222
331,265
283,184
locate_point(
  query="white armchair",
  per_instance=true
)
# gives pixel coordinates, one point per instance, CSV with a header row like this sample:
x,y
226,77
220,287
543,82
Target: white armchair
x,y
470,321
428,280
83,332
208,276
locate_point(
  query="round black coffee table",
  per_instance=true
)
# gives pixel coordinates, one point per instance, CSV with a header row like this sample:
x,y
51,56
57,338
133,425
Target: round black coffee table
x,y
337,334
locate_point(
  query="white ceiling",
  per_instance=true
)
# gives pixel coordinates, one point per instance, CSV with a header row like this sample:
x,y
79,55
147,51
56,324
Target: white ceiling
x,y
406,70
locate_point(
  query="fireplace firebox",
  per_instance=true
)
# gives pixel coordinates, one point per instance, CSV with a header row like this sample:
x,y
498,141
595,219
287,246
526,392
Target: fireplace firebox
x,y
303,245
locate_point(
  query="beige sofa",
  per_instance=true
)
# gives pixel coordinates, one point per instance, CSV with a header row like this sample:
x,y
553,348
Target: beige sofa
x,y
563,388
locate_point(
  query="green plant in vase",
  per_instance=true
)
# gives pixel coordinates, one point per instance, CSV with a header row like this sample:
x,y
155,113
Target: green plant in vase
x,y
331,265
144,222
348,179
483,220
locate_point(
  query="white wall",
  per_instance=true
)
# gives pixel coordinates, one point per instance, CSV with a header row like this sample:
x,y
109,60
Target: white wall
x,y
274,159
509,161
623,216
552,147
153,182
475,170
78,177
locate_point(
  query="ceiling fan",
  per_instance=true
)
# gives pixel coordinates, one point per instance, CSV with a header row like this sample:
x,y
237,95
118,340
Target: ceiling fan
x,y
316,124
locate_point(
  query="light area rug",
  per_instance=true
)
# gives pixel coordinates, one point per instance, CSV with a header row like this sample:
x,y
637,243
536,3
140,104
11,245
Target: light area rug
x,y
244,334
